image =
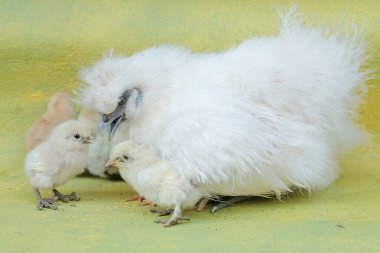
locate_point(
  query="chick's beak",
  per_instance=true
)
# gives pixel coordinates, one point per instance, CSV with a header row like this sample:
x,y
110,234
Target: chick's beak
x,y
110,163
86,140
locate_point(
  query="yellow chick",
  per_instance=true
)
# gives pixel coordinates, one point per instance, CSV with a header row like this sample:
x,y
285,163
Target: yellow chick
x,y
157,180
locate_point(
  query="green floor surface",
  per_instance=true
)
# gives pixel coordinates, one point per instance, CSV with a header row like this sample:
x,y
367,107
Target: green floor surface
x,y
42,46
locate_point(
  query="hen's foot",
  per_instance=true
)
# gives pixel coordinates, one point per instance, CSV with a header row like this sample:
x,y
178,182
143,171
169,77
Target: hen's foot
x,y
229,202
65,198
160,212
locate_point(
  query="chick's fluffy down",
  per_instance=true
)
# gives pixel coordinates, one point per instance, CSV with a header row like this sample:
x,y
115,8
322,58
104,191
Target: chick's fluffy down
x,y
158,181
61,157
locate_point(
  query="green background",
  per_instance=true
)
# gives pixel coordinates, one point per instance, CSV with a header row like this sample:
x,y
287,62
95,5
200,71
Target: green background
x,y
43,44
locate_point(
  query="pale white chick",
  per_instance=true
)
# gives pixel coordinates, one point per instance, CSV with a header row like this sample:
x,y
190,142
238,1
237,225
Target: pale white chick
x,y
61,157
99,149
157,180
59,110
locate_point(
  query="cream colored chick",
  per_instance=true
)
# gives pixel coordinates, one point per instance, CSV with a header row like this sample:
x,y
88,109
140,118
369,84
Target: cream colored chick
x,y
59,110
61,157
158,181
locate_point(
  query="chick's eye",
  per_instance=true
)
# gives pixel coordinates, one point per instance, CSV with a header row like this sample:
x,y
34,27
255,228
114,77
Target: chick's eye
x,y
76,136
126,157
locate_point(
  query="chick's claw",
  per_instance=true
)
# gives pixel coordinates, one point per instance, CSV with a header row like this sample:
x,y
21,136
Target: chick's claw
x,y
135,198
45,203
147,203
142,201
172,221
66,198
199,206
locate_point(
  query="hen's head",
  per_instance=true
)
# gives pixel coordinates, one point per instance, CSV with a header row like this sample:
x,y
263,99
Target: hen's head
x,y
109,88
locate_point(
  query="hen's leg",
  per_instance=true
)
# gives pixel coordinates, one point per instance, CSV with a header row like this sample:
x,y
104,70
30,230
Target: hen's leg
x,y
229,202
66,198
161,212
176,216
43,202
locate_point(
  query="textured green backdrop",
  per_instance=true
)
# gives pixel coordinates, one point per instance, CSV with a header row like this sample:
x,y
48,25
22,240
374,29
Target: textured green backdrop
x,y
42,46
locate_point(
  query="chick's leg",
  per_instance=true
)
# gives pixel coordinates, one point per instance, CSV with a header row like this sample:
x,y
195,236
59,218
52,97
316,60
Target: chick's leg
x,y
43,202
229,202
135,198
176,216
142,201
199,206
66,198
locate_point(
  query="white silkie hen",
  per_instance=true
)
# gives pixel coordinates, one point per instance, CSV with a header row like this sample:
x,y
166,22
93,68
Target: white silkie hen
x,y
157,180
61,157
269,115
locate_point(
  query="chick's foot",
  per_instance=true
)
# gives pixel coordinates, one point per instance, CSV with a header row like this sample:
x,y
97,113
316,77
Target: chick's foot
x,y
142,201
135,198
199,206
66,198
174,219
44,203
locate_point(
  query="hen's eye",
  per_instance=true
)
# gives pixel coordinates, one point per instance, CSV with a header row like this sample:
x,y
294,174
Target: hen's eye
x,y
126,157
122,100
76,136
106,117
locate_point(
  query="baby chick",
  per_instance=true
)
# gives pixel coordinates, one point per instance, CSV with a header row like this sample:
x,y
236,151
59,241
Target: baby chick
x,y
158,181
61,157
59,110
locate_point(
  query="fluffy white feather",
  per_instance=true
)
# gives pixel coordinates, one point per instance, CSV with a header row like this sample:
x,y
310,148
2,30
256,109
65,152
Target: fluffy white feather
x,y
260,118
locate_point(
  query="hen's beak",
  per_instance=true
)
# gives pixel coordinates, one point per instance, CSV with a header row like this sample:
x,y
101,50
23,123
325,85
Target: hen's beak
x,y
110,163
115,118
113,121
